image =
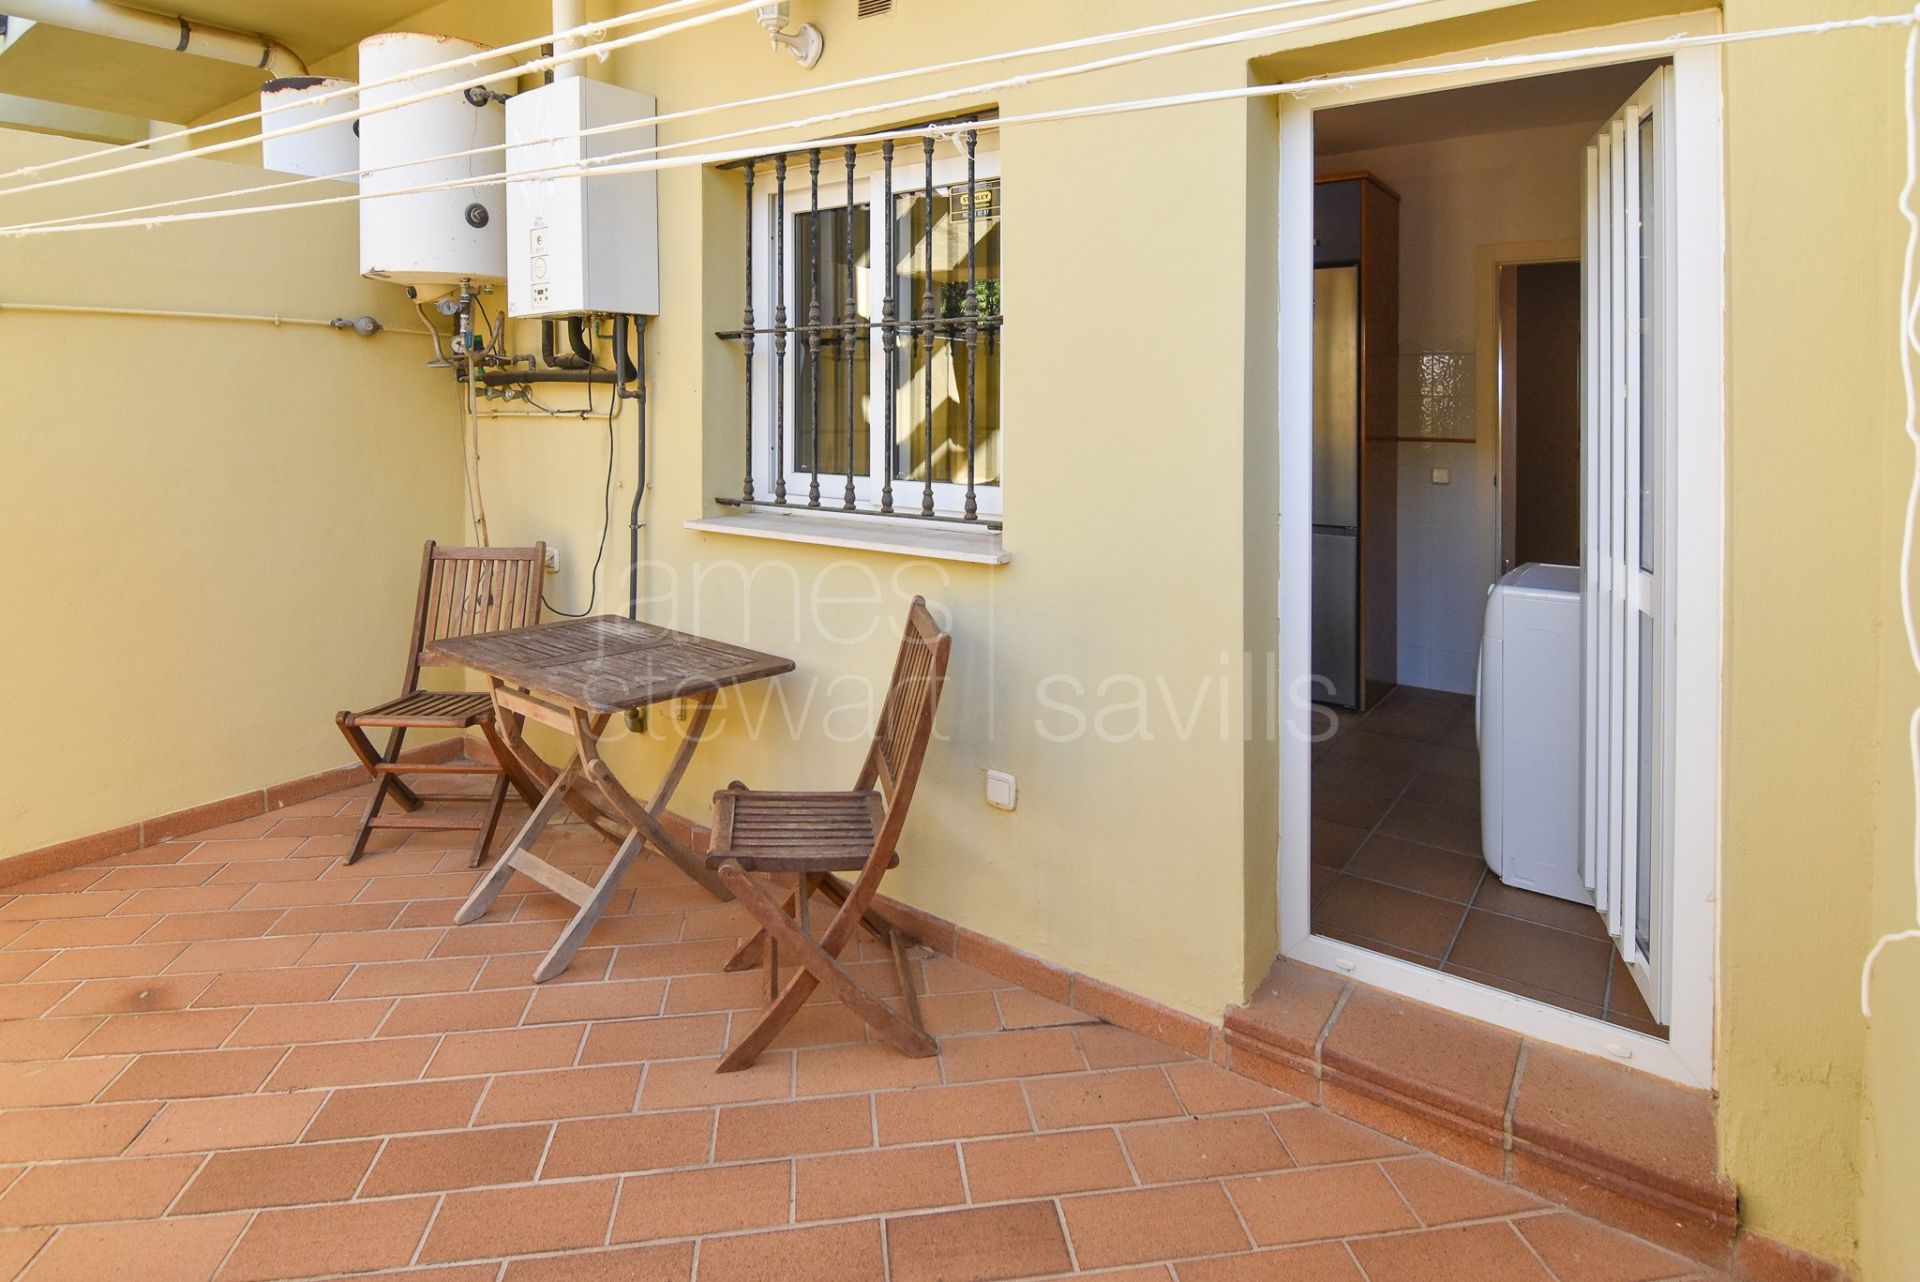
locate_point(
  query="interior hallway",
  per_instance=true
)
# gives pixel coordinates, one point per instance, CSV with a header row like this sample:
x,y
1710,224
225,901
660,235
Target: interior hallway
x,y
1397,865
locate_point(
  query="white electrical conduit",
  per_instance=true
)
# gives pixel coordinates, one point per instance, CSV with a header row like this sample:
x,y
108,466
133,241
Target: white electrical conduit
x,y
1020,81
1598,53
138,26
600,50
1909,348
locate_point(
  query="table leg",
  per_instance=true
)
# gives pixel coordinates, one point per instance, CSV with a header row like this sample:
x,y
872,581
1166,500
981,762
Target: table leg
x,y
522,844
532,767
647,817
561,954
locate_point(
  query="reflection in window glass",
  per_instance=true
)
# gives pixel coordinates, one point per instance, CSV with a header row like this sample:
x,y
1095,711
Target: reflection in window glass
x,y
832,435
1649,356
944,362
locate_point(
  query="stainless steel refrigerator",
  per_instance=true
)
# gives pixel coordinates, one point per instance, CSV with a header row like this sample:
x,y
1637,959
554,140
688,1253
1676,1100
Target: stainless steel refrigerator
x,y
1336,486
1356,472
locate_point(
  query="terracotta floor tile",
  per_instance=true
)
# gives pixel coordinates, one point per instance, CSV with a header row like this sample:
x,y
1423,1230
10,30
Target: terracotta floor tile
x,y
371,946
455,1013
388,1110
272,987
330,919
1030,1166
1022,1009
948,1014
669,1262
788,1129
1016,1054
17,1246
1322,1262
1203,1148
118,1188
108,963
949,975
1327,1202
1152,1224
173,1030
1442,1193
1107,1046
231,924
196,1125
23,1002
556,1093
1496,896
1454,830
398,1059
82,932
631,999
714,1199
1316,1137
889,1179
287,1176
1101,1099
39,1085
513,1221
457,1160
81,904
1471,1253
49,1134
666,1037
132,996
829,1253
191,1074
951,1112
506,1050
1578,1250
310,1240
1207,1088
698,994
404,978
982,1244
689,1083
1574,965
618,1145
168,1250
309,1022
822,1024
871,1066
1333,843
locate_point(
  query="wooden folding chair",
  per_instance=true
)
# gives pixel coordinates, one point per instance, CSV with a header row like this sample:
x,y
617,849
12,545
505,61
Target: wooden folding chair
x,y
462,591
814,835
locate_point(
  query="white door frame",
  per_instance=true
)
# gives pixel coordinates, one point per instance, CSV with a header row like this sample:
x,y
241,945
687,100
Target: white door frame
x,y
1698,533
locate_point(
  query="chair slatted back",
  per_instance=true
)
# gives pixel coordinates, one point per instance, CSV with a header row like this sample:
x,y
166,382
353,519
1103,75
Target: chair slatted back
x,y
467,590
906,716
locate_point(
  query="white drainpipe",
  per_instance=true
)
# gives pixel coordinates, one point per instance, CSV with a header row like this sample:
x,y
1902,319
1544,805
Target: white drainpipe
x,y
105,19
568,14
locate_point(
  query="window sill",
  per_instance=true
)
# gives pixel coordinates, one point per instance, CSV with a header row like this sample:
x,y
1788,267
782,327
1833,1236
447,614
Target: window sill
x,y
931,541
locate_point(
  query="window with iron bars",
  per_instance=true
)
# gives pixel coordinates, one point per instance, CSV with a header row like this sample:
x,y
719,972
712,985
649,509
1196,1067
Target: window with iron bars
x,y
872,329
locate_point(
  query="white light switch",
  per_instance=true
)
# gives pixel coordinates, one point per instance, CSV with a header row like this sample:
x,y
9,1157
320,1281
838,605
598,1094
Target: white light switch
x,y
1441,476
1000,789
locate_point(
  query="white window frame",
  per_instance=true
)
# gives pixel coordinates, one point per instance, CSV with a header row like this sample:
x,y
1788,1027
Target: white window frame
x,y
1694,591
909,178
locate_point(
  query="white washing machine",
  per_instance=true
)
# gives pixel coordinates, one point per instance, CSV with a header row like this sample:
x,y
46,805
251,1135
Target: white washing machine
x,y
1527,716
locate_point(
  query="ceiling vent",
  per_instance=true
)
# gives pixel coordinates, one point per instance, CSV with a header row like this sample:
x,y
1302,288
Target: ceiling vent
x,y
875,8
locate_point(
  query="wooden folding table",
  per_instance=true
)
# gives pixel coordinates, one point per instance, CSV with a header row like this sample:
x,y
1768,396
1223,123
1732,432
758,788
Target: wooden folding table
x,y
575,677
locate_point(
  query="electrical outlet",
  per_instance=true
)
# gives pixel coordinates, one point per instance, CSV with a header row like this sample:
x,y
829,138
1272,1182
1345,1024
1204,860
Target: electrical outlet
x,y
1442,476
1001,792
553,559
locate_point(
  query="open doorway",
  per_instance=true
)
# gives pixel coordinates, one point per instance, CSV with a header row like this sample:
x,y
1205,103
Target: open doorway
x,y
1470,659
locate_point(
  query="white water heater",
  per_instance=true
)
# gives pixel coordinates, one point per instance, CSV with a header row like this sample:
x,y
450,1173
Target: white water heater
x,y
438,237
317,153
580,243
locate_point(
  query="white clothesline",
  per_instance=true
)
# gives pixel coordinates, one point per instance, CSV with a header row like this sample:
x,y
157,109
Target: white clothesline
x,y
538,64
593,31
971,91
1620,52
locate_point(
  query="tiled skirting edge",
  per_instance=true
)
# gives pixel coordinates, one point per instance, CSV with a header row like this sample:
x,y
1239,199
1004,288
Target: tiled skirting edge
x,y
246,805
1624,1147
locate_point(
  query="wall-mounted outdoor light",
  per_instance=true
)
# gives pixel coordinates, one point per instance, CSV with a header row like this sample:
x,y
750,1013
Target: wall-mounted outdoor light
x,y
806,45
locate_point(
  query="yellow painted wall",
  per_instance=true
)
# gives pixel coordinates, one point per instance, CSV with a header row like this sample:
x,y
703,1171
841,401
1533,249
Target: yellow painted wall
x,y
1149,862
213,527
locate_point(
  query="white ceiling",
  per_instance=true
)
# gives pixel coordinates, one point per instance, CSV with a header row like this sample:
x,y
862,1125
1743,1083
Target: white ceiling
x,y
103,74
1587,96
